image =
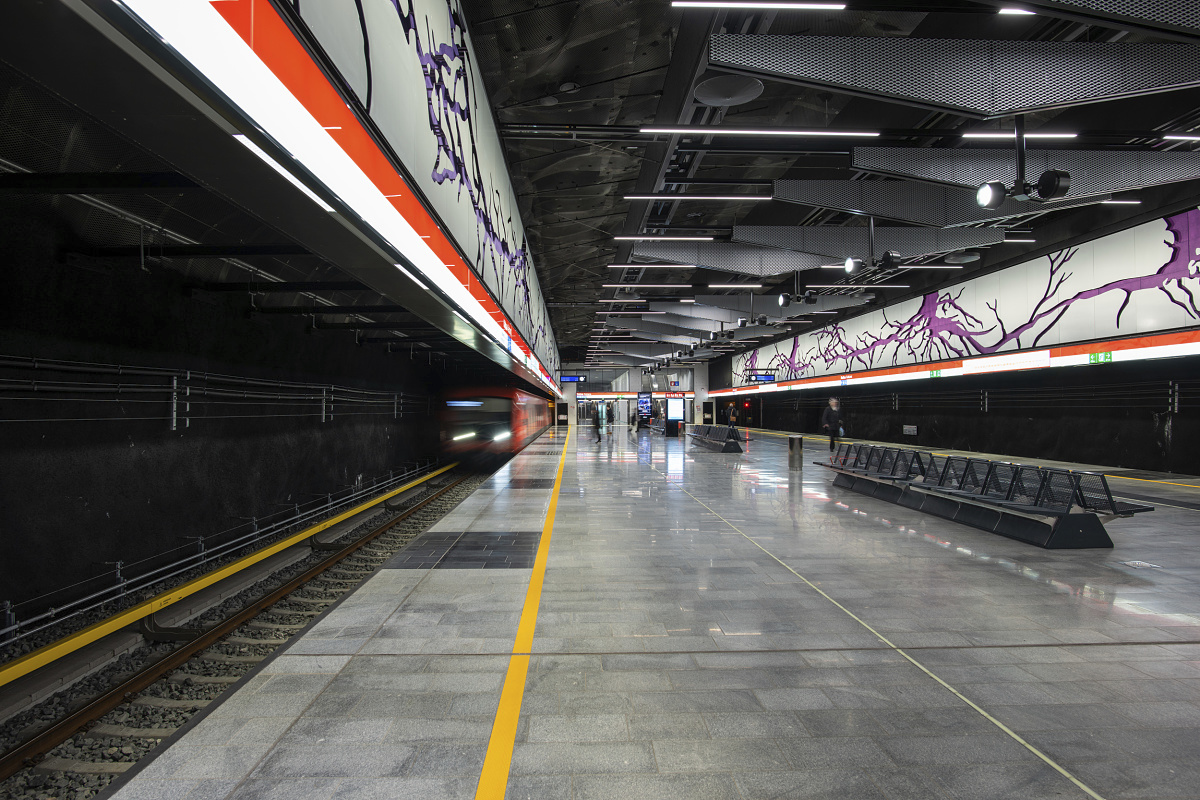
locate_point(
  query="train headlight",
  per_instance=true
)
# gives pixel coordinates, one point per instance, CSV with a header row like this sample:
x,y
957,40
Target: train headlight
x,y
462,436
500,437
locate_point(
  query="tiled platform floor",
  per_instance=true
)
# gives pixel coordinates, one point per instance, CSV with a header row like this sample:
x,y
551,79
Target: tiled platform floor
x,y
712,626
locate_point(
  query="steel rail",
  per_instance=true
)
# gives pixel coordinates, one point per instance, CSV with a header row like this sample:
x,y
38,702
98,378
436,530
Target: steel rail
x,y
26,754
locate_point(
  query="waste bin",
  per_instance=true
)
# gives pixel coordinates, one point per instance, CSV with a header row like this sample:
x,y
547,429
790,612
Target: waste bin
x,y
796,452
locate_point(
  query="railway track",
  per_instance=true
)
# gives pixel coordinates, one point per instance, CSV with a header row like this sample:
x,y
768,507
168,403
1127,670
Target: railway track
x,y
75,753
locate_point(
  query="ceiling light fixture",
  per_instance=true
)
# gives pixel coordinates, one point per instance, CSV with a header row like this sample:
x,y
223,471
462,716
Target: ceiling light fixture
x,y
1051,184
1120,202
852,264
991,194
1006,241
663,238
645,286
1184,137
714,197
858,286
713,130
686,300
735,286
1016,11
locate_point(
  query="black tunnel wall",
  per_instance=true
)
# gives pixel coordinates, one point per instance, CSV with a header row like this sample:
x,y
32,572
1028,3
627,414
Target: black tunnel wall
x,y
1138,415
76,494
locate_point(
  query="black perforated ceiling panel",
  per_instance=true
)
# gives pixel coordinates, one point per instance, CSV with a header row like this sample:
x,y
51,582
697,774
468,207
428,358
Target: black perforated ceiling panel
x,y
840,242
968,76
1092,171
920,203
743,258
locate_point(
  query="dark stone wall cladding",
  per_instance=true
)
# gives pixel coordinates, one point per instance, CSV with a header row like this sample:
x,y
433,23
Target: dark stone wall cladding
x,y
75,494
1138,415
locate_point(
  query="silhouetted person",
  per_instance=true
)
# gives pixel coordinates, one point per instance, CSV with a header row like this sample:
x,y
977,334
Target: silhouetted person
x,y
831,422
596,420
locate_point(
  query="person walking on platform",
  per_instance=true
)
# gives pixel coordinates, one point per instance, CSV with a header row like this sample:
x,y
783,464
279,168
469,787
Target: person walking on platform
x,y
596,419
831,422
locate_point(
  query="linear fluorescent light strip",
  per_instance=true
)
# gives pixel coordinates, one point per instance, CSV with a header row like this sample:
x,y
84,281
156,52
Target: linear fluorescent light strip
x,y
663,238
716,131
1183,137
735,286
769,6
652,266
645,286
714,197
202,37
275,165
1015,11
1011,135
858,286
1116,203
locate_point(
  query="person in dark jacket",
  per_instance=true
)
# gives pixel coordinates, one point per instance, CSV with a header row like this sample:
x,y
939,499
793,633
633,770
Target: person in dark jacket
x,y
831,422
596,419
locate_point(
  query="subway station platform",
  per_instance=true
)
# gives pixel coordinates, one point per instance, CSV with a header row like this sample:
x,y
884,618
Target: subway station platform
x,y
639,618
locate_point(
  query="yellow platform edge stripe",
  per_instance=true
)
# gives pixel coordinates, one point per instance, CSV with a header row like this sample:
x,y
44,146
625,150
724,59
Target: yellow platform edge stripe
x,y
55,650
493,778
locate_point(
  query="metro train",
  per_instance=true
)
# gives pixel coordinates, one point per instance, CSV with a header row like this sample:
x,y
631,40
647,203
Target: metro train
x,y
492,422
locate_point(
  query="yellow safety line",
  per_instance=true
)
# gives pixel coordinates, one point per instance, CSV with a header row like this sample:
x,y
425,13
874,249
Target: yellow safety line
x,y
69,644
493,778
1118,477
1049,761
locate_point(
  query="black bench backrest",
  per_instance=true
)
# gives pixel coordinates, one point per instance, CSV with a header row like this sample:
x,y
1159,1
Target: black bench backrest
x,y
840,456
1094,494
1026,485
999,480
974,475
902,466
934,468
847,458
864,455
1059,490
887,462
874,459
952,473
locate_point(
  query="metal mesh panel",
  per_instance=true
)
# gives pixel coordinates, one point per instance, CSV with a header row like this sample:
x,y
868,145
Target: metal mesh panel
x,y
1026,485
999,481
952,475
969,76
1058,490
934,469
1166,13
876,457
1094,494
1093,172
920,203
888,462
864,456
903,466
740,258
838,242
974,476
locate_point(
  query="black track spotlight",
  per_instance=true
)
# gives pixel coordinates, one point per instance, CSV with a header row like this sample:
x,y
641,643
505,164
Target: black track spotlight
x,y
785,300
890,259
761,319
810,298
742,322
853,264
1053,183
713,336
991,194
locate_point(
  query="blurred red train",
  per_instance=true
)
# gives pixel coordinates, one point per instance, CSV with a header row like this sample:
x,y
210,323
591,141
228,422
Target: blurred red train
x,y
491,421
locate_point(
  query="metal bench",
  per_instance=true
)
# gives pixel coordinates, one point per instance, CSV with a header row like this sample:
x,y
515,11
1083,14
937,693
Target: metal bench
x,y
720,438
1095,495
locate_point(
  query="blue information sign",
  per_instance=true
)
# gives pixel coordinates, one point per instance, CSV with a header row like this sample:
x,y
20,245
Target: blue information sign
x,y
574,379
762,377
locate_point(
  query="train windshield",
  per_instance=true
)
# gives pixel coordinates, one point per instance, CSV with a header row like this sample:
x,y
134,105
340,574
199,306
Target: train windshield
x,y
482,416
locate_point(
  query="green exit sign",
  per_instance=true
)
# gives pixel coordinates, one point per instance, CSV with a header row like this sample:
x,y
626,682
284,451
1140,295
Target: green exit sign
x,y
1100,358
935,373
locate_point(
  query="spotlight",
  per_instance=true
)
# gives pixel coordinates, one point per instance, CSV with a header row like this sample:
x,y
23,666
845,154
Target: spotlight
x,y
991,194
712,335
761,319
742,322
853,263
889,259
785,300
1053,183
810,298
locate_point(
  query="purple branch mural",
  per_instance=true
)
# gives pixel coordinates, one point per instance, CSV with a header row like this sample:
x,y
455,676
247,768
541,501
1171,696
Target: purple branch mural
x,y
943,328
451,105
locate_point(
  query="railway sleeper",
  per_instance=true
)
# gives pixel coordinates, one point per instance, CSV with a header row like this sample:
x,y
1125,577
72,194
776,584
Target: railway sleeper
x,y
182,678
103,729
56,764
168,702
